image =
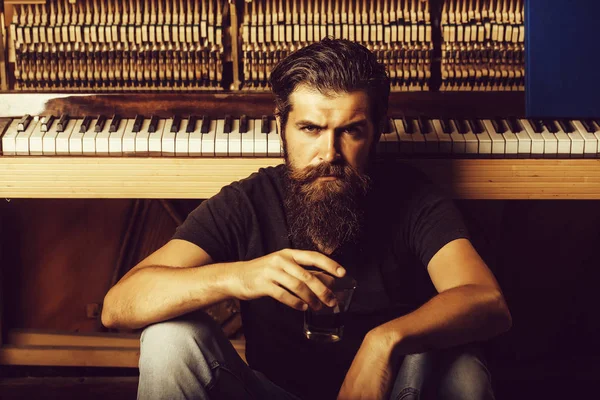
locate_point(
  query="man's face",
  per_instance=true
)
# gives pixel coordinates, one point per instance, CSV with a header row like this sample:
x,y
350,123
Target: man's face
x,y
327,143
334,129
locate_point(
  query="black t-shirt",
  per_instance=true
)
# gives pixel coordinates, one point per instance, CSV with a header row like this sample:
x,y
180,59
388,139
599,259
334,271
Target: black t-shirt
x,y
407,221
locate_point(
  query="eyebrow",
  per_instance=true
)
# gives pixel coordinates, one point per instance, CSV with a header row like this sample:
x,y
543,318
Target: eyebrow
x,y
360,123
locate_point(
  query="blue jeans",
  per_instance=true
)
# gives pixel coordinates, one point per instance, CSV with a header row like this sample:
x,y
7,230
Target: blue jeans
x,y
190,358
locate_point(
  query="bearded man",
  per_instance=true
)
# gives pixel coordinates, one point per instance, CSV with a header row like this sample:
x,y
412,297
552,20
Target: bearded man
x,y
424,296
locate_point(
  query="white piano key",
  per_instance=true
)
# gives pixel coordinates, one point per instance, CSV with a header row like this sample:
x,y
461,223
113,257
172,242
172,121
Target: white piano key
x,y
390,140
260,140
63,139
22,139
591,140
208,139
564,142
273,140
524,143
221,140
168,138
498,141
142,139
154,138
89,140
485,142
115,140
444,139
432,144
248,140
102,140
186,143
235,139
512,143
458,140
471,141
537,140
49,140
129,137
9,139
577,142
419,142
76,139
405,140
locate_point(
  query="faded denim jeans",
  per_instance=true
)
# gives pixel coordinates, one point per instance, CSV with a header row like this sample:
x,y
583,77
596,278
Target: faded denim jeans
x,y
190,358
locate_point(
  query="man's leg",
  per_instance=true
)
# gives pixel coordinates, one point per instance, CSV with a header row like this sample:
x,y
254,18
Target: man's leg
x,y
190,358
447,374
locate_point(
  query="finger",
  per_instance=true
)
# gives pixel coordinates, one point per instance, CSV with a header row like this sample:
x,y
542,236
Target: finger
x,y
297,287
285,297
318,260
324,277
314,284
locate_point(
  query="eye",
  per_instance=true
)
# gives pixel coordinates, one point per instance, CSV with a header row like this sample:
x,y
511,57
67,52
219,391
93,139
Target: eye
x,y
309,129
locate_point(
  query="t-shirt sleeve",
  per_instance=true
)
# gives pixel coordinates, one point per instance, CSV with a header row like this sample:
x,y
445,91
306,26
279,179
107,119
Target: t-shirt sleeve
x,y
433,222
219,225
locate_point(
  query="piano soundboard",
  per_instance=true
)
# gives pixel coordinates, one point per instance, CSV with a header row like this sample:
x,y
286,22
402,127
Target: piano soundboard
x,y
243,136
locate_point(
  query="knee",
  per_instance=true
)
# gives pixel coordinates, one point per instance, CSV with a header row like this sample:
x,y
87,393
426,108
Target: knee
x,y
466,378
176,342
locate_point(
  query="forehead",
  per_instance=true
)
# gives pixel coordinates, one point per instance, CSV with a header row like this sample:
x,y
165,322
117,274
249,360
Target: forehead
x,y
308,103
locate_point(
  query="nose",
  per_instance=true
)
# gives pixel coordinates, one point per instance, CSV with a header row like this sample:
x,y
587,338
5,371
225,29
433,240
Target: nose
x,y
329,147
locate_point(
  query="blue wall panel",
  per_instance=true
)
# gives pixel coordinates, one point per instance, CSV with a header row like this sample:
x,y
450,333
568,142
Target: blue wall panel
x,y
562,58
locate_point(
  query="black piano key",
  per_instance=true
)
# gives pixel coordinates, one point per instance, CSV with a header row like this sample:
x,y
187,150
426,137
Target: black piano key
x,y
408,123
176,124
461,125
264,125
424,125
446,126
85,124
597,122
550,125
566,125
537,125
24,122
244,124
100,122
499,125
114,123
47,124
62,123
588,124
227,124
153,124
191,126
514,124
137,123
476,125
205,127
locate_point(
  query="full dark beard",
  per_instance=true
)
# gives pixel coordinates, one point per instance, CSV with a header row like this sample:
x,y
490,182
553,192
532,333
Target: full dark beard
x,y
325,213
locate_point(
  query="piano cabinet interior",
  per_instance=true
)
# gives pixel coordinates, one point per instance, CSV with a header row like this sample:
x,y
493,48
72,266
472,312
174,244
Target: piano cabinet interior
x,y
61,255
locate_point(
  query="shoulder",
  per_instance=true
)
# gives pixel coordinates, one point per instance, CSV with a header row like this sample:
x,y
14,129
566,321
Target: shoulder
x,y
398,180
265,181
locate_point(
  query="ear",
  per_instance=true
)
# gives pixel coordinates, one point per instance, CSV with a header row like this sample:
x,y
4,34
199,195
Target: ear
x,y
278,124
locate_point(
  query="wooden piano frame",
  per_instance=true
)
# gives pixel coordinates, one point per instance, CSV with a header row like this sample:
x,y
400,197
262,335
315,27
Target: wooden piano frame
x,y
198,178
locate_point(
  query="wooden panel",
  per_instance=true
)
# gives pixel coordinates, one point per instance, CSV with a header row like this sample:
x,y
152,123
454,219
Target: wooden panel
x,y
201,178
41,348
59,257
451,104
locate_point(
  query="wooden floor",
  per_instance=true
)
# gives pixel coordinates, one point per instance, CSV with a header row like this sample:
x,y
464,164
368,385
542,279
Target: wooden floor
x,y
125,388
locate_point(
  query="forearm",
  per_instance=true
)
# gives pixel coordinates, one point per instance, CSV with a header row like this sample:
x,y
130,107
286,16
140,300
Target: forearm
x,y
457,316
153,294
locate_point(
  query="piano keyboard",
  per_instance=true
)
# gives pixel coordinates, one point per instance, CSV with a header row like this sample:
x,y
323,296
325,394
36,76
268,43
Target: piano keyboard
x,y
202,136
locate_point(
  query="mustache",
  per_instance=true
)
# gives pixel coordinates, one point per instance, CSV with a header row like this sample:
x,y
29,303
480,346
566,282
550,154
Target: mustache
x,y
313,172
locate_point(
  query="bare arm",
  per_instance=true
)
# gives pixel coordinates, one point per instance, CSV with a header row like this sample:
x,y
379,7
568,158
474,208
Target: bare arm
x,y
469,307
162,287
177,279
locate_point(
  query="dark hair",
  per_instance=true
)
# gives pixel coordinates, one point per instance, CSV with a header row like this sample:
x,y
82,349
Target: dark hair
x,y
332,66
